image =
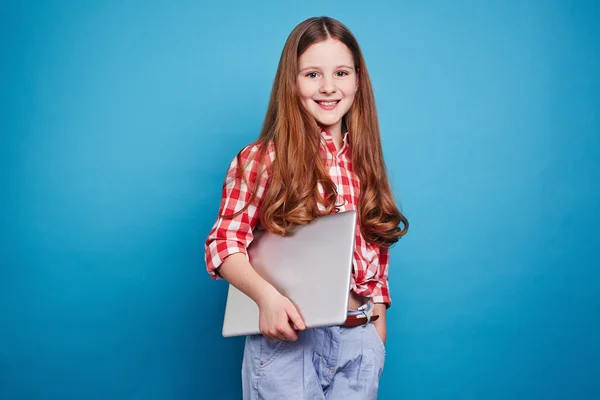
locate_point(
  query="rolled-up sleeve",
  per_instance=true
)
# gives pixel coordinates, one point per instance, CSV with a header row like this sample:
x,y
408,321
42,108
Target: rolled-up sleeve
x,y
230,235
381,292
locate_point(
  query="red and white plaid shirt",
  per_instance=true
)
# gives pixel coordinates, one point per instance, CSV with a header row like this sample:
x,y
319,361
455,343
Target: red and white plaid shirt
x,y
229,236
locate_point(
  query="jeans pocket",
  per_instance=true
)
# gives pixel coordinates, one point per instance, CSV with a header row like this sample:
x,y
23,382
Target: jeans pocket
x,y
267,350
377,339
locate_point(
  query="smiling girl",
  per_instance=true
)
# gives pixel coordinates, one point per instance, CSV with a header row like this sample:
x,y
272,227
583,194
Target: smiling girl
x,y
319,152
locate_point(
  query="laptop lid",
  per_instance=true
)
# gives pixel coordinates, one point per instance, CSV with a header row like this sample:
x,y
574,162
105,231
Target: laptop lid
x,y
312,266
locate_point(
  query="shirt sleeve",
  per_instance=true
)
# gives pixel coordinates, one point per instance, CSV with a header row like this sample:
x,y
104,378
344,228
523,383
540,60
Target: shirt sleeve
x,y
233,235
381,293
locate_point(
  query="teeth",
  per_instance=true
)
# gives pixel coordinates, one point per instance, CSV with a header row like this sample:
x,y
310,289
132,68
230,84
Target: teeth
x,y
328,103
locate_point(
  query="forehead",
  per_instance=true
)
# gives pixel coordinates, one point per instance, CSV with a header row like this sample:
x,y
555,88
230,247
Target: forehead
x,y
330,52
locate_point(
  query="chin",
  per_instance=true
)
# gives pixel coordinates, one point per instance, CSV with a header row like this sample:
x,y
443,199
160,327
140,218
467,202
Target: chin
x,y
326,123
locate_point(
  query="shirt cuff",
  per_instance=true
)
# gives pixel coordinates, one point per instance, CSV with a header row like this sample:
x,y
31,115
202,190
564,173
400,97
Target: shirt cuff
x,y
218,251
381,294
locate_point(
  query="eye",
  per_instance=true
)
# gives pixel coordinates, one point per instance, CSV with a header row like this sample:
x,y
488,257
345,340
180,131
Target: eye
x,y
341,73
312,75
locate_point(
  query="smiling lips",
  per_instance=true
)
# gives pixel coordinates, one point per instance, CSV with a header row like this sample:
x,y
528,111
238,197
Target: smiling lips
x,y
327,105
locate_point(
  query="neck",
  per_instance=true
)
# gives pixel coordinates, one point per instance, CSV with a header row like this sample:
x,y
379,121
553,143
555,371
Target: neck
x,y
337,139
336,135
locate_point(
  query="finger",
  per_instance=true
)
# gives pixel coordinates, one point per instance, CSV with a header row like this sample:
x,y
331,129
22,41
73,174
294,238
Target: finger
x,y
292,335
295,318
289,333
280,337
271,334
266,333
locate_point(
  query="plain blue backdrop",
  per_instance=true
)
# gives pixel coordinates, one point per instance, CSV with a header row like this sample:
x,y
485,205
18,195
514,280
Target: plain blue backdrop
x,y
119,119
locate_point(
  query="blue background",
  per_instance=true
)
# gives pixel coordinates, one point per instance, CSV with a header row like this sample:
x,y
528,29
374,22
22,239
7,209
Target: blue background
x,y
119,119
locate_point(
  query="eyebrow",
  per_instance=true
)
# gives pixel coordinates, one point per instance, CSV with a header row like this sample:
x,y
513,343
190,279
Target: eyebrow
x,y
338,67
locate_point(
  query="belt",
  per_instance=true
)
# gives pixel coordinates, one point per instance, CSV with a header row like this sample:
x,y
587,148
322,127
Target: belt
x,y
356,320
362,316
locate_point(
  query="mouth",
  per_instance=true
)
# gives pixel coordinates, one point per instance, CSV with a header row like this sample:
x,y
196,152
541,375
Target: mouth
x,y
327,105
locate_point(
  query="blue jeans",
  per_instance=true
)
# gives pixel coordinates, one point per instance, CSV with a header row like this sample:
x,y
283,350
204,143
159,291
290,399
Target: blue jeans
x,y
324,363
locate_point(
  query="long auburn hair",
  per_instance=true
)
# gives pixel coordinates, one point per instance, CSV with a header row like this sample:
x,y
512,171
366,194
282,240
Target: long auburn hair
x,y
292,194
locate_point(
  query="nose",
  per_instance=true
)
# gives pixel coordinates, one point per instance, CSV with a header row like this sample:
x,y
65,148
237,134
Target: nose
x,y
327,85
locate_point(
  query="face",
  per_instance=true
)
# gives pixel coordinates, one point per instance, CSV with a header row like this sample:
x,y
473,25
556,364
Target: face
x,y
327,82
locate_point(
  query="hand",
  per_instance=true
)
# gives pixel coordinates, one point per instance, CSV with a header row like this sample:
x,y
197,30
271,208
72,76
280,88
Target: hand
x,y
276,312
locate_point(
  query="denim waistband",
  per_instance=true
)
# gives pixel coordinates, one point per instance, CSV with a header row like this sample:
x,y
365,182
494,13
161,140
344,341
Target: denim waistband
x,y
364,309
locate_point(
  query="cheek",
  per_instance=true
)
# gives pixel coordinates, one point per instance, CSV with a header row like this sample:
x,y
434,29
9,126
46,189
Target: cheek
x,y
349,88
304,90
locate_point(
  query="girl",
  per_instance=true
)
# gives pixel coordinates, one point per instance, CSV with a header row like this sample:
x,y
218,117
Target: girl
x,y
319,152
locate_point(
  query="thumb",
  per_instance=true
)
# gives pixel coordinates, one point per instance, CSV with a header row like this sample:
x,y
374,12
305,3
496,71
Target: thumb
x,y
295,317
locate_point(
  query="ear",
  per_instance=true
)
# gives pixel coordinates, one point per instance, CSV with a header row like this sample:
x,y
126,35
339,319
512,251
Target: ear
x,y
357,80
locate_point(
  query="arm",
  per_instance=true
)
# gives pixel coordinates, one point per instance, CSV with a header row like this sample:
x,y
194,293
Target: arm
x,y
381,295
380,324
275,310
229,238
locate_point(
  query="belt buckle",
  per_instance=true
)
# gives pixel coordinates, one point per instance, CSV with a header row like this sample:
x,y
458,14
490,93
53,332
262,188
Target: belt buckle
x,y
367,310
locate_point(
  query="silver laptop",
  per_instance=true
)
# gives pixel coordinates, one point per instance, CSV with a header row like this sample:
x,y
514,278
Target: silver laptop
x,y
312,266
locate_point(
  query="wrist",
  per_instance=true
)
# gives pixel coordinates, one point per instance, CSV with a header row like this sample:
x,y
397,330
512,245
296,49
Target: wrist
x,y
265,293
